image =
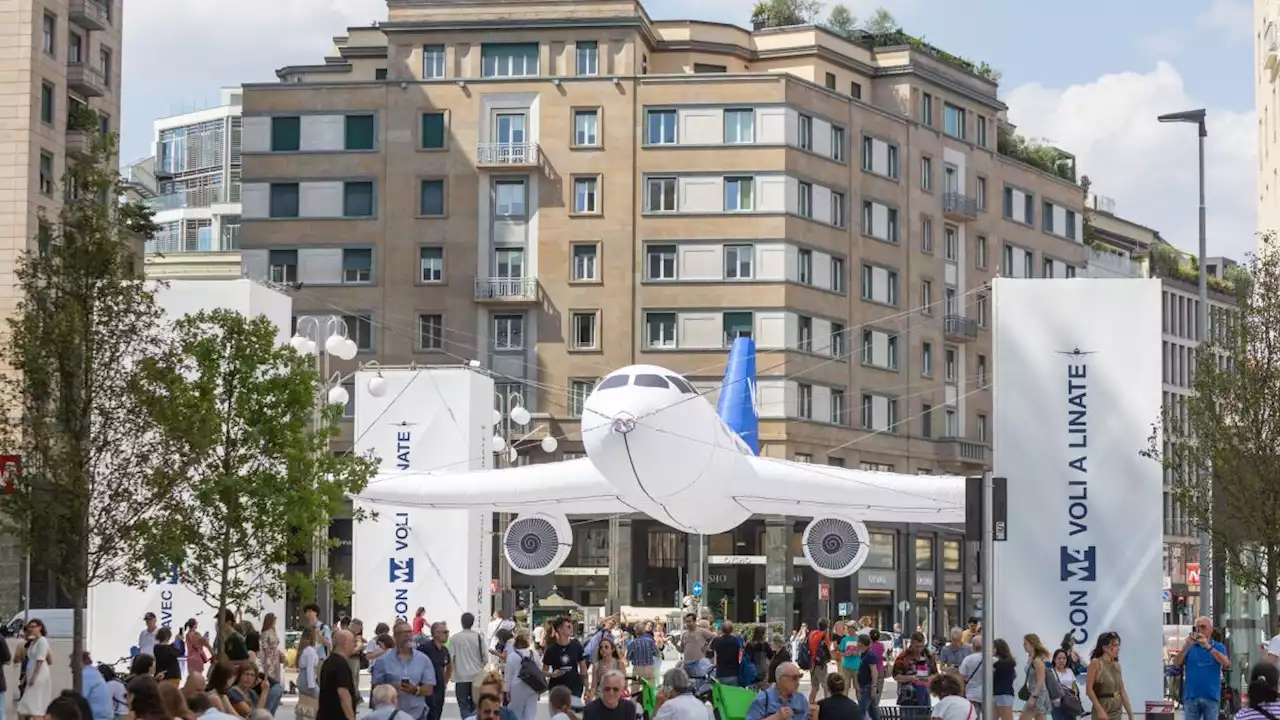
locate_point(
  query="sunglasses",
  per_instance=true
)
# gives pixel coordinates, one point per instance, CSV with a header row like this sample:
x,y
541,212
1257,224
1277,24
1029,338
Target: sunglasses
x,y
612,688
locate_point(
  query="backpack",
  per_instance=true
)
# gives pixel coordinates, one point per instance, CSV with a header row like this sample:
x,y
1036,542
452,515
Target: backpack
x,y
802,655
746,669
531,675
180,646
824,650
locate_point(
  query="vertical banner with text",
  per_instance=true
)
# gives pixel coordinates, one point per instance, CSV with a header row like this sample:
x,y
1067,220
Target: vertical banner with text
x,y
1077,391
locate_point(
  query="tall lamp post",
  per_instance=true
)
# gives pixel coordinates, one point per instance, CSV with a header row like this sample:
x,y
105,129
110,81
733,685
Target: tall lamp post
x,y
1207,567
510,417
323,337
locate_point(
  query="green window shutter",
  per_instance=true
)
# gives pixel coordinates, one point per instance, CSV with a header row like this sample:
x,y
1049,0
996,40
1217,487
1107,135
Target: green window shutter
x,y
433,130
286,134
359,132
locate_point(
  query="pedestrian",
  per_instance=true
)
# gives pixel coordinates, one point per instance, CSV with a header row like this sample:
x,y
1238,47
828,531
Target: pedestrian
x,y
1038,701
469,660
952,704
408,670
1202,660
37,685
524,698
1105,683
1264,693
337,686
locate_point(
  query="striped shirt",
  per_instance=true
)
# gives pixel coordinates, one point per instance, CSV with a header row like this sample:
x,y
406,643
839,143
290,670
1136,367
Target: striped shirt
x,y
1248,713
642,651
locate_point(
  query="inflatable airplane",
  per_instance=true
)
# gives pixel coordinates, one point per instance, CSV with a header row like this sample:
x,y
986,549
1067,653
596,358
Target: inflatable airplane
x,y
655,446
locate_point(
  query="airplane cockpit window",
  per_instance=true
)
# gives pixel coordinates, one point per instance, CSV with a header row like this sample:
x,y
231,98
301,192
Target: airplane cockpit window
x,y
651,381
682,385
613,381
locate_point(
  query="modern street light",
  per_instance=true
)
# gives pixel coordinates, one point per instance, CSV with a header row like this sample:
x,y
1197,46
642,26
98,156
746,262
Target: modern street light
x,y
508,435
1197,118
329,333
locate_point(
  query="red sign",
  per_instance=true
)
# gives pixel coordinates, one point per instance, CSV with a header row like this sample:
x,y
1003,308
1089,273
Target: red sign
x,y
824,591
11,469
1193,573
493,587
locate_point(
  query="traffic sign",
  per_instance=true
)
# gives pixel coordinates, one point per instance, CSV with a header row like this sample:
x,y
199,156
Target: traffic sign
x,y
846,608
904,606
1166,595
697,589
824,591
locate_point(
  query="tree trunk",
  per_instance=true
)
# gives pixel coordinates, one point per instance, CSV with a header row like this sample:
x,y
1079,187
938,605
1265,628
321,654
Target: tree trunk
x,y
1273,587
77,640
224,576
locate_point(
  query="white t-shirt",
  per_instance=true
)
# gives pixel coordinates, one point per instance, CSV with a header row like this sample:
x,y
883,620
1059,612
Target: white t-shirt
x,y
1273,647
953,707
970,667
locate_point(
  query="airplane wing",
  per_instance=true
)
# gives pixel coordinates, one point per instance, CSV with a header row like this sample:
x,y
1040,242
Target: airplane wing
x,y
780,487
572,486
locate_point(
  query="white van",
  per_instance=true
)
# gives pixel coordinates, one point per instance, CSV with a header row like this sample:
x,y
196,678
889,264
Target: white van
x,y
58,623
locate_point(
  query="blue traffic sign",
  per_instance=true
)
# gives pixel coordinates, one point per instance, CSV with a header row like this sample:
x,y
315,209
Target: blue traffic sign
x,y
697,589
1166,595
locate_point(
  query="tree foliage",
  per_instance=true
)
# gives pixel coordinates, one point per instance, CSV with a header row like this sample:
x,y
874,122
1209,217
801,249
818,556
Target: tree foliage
x,y
783,13
1221,446
842,21
255,440
1037,153
94,496
882,22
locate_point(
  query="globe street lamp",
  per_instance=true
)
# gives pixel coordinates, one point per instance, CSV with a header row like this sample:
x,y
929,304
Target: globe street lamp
x,y
509,438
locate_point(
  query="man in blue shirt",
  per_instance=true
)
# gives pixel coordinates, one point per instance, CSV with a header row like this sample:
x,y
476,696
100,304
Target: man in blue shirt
x,y
408,670
1202,660
95,690
783,701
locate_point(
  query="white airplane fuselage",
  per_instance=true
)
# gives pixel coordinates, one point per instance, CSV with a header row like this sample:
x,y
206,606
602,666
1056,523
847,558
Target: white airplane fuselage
x,y
664,448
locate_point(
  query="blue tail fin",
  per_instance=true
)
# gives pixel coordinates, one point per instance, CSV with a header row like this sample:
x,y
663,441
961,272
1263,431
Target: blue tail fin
x,y
737,398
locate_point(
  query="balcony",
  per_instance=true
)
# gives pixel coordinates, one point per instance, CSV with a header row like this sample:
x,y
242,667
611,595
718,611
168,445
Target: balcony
x,y
959,207
959,450
196,197
89,14
86,80
1114,264
79,142
507,291
508,155
957,328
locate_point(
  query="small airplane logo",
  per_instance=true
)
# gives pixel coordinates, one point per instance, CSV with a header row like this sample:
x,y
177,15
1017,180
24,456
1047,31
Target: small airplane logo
x,y
1077,352
404,423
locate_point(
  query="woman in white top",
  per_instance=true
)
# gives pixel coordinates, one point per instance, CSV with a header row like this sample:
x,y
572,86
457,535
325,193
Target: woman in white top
x,y
39,688
1064,671
524,699
951,705
308,664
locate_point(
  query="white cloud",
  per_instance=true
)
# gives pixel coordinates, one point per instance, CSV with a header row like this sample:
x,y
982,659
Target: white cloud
x,y
1149,167
1234,17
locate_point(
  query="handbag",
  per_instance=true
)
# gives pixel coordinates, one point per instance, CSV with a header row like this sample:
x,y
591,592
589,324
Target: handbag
x,y
1070,702
306,707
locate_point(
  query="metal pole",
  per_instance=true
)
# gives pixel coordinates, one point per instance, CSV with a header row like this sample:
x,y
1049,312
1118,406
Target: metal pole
x,y
26,589
988,594
504,519
1202,334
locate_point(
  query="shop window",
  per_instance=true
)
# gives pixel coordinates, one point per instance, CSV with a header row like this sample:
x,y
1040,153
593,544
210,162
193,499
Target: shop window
x,y
924,553
951,555
881,553
592,546
667,549
721,544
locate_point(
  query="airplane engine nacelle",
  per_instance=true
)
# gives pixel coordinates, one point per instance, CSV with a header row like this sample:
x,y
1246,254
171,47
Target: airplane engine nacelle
x,y
537,543
836,546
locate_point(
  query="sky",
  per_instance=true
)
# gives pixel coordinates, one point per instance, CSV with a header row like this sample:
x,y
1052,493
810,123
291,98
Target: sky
x,y
1088,76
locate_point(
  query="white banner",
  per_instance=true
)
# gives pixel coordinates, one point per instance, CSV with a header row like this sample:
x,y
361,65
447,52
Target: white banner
x,y
1077,389
437,420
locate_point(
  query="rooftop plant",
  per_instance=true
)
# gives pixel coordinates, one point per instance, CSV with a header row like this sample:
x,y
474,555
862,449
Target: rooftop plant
x,y
1037,153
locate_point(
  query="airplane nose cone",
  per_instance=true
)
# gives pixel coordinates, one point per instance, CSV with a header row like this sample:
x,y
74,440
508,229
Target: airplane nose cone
x,y
623,423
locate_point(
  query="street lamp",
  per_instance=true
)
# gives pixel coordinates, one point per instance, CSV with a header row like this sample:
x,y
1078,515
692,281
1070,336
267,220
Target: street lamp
x,y
311,335
508,435
1197,118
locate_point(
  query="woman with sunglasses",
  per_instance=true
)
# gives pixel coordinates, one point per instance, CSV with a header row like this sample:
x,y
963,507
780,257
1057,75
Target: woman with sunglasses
x,y
37,687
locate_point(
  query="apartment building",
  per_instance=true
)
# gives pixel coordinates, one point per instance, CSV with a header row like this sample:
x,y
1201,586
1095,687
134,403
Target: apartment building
x,y
1122,248
1266,96
59,56
558,191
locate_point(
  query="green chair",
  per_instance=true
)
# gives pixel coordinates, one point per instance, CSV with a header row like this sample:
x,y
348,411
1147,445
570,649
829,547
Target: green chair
x,y
731,702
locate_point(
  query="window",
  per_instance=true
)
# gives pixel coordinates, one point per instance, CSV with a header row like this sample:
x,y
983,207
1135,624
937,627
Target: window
x,y
883,551
879,285
380,74
508,332
360,329
837,407
579,391
804,401
926,297
286,134
588,54
48,106
509,59
586,128
661,128
949,357
703,68
660,262
926,359
282,266
357,199
831,81
105,65
806,132
837,143
980,251
926,421
739,126
431,264
50,38
46,173
804,333
433,131
739,194
283,200
837,209
949,299
508,198
879,349
508,262
952,239
953,121
44,238
981,197
431,332
1006,262
837,274
661,195
804,266
805,458
926,173
75,49
582,330
804,204
738,261
926,235
738,324
586,195
837,340
980,432
982,371
951,553
982,131
855,89
926,109
431,198
1046,267
870,220
980,310
584,263
357,266
924,553
868,149
359,132
1029,265
893,161
432,62
660,329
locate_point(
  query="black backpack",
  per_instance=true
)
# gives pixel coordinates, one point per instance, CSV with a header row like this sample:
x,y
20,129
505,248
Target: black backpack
x,y
531,675
824,650
802,655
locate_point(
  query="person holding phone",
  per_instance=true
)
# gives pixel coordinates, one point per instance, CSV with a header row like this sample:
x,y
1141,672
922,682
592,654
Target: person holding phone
x,y
408,670
783,701
565,661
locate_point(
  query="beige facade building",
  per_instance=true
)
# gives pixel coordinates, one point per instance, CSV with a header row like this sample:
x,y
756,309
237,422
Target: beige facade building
x,y
55,56
1266,95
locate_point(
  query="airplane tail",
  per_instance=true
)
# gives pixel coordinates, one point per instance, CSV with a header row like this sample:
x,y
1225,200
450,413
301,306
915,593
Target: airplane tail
x,y
737,405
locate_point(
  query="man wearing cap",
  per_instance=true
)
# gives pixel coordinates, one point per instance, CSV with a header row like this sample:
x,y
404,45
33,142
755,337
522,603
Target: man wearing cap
x,y
147,638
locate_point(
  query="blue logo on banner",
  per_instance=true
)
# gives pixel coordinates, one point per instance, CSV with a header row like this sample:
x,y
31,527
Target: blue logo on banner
x,y
168,577
1080,565
401,570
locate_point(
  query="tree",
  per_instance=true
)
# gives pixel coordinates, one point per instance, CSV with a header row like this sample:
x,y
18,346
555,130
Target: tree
x,y
1221,447
783,13
254,436
92,499
882,22
841,21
